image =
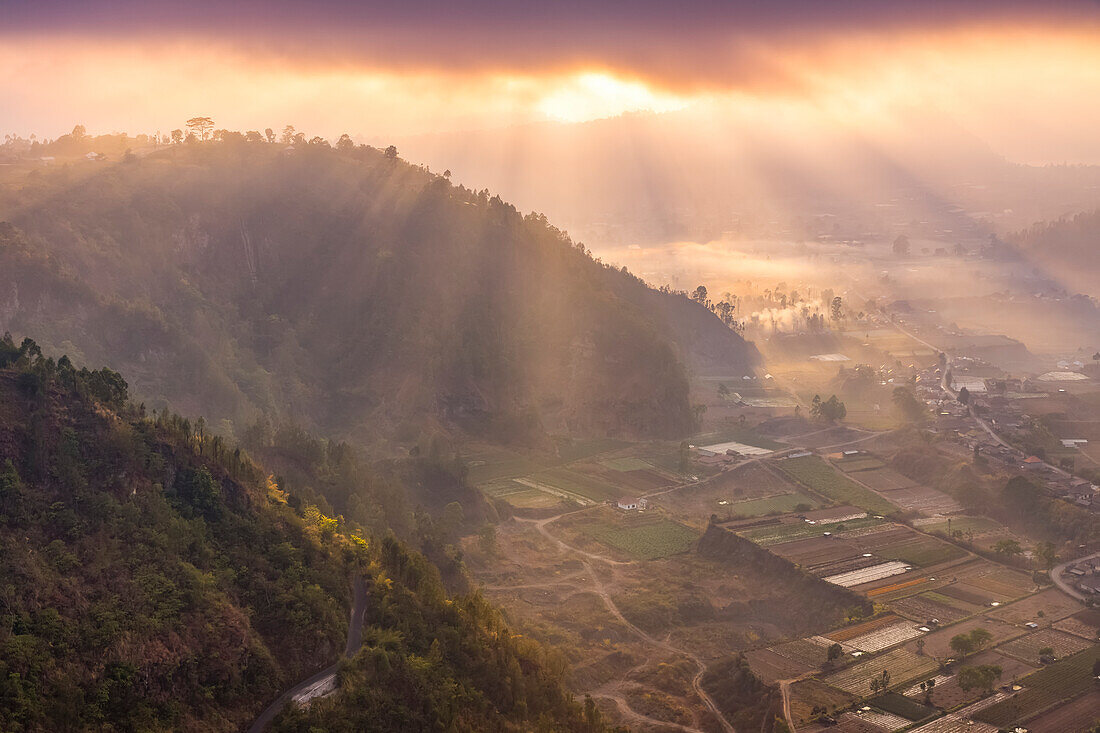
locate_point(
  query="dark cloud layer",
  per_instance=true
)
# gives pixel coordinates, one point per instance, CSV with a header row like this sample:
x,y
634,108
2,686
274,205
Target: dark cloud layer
x,y
698,43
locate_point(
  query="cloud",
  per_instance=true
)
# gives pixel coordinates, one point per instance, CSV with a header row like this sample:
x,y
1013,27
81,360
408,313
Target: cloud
x,y
685,46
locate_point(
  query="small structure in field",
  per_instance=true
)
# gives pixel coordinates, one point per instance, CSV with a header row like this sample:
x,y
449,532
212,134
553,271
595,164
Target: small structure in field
x,y
629,504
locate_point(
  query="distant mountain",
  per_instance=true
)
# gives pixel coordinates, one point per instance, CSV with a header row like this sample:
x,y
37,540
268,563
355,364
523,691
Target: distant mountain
x,y
1068,248
153,578
712,171
344,290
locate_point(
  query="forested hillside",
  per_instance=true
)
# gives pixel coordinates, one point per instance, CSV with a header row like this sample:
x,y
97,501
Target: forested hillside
x,y
1069,248
154,578
346,290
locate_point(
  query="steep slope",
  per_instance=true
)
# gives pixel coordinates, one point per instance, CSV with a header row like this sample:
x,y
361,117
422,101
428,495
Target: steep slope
x,y
152,579
345,289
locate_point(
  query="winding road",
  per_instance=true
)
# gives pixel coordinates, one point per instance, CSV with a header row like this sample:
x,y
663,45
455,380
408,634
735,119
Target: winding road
x,y
605,596
324,681
1063,585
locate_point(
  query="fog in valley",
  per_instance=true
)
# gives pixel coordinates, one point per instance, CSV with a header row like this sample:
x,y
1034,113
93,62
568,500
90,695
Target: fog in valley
x,y
590,368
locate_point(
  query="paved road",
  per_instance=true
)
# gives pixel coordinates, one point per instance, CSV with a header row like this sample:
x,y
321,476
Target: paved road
x,y
325,680
1063,584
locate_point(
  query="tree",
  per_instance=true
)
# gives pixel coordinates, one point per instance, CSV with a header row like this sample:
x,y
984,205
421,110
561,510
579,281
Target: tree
x,y
964,396
1008,548
961,644
269,135
253,136
982,677
834,652
908,404
836,307
345,142
177,136
685,457
920,647
200,127
699,295
980,637
487,539
288,134
79,132
391,152
1047,553
901,245
829,410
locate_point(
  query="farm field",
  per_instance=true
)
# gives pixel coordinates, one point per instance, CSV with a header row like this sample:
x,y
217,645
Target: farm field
x,y
575,482
520,495
917,549
1085,624
1052,603
803,651
643,537
1027,647
888,636
780,504
771,666
1080,714
811,693
938,643
822,478
1061,681
753,481
948,695
902,706
977,525
789,531
737,434
851,632
930,605
904,666
922,499
862,462
884,479
574,449
496,464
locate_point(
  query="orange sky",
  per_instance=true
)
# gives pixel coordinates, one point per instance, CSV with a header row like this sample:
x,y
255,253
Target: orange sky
x,y
1032,91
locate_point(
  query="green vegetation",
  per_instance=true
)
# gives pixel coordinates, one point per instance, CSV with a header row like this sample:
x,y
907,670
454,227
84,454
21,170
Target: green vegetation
x,y
578,483
922,553
156,579
433,663
819,476
902,706
780,504
344,289
975,525
646,538
1055,683
744,699
777,534
982,677
963,644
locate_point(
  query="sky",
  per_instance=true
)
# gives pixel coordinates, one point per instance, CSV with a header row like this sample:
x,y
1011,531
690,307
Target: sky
x,y
1023,77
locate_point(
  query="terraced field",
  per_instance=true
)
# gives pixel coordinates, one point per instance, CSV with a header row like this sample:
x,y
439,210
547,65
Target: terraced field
x,y
819,476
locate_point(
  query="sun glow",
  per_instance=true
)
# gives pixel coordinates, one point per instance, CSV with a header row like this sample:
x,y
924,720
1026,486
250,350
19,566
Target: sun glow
x,y
593,95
